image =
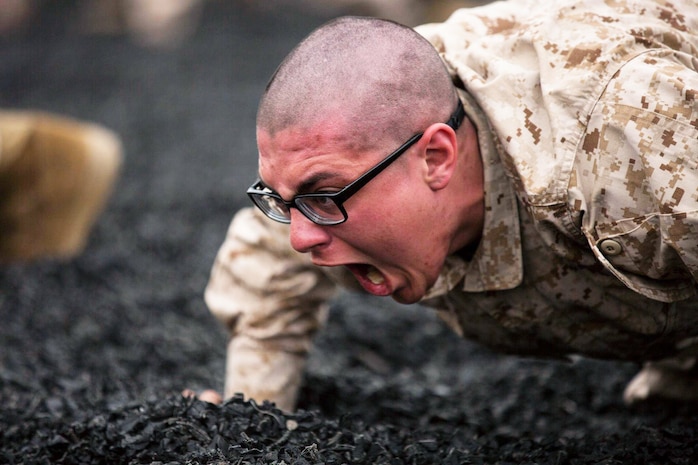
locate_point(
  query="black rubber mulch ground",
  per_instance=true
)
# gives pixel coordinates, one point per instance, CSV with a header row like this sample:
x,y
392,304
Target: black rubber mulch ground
x,y
94,352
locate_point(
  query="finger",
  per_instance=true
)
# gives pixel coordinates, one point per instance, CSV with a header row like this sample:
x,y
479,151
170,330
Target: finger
x,y
211,396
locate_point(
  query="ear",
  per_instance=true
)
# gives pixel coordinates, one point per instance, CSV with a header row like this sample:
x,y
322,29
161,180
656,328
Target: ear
x,y
440,154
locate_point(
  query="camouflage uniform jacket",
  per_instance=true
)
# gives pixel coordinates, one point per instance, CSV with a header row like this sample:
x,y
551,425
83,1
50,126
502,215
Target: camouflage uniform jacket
x,y
587,118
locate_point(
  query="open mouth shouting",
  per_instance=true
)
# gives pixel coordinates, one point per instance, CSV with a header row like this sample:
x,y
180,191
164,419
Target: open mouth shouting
x,y
371,279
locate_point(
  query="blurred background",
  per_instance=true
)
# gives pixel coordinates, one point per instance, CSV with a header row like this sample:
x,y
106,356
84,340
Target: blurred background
x,y
167,23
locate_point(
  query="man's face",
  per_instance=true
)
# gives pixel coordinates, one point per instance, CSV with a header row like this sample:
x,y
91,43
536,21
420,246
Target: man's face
x,y
392,241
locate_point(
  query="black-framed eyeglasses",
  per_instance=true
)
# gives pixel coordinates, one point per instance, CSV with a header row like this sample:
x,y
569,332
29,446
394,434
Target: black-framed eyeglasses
x,y
327,209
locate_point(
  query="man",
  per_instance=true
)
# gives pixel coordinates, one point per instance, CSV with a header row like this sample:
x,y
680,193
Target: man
x,y
558,216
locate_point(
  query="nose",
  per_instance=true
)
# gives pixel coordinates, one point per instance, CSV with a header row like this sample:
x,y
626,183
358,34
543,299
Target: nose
x,y
306,235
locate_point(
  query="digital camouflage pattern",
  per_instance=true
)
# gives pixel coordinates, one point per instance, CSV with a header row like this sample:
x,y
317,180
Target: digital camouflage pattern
x,y
587,117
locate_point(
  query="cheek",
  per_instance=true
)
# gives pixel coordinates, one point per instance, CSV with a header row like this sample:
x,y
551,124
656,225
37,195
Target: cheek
x,y
400,213
391,234
374,232
401,202
398,220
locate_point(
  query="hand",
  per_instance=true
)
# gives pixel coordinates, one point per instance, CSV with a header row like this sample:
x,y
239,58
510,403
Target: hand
x,y
208,395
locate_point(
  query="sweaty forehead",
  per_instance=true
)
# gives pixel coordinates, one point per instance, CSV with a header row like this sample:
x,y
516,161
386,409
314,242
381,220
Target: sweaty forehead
x,y
330,128
296,159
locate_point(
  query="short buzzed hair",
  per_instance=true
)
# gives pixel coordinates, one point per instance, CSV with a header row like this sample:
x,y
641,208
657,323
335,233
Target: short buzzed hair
x,y
383,76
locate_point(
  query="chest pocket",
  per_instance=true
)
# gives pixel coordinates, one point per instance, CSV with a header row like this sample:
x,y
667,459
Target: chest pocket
x,y
656,254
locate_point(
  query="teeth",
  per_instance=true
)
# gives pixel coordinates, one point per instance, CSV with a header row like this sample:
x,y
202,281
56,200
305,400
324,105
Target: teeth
x,y
375,276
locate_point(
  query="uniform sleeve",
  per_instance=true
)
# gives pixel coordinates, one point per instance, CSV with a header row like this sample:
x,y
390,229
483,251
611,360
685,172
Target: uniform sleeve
x,y
272,300
467,25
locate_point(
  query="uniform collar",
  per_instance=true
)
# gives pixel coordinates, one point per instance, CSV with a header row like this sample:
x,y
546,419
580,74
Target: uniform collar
x,y
497,263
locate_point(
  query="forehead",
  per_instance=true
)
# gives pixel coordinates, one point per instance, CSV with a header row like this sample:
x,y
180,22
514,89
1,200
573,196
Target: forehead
x,y
296,158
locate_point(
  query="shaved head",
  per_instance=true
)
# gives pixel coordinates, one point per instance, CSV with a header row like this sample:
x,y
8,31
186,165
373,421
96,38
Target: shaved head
x,y
383,79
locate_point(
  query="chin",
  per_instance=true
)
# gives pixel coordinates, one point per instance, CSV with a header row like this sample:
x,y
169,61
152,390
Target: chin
x,y
401,298
414,290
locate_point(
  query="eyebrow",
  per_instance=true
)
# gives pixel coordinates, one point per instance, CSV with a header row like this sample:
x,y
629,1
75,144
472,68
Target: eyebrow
x,y
307,185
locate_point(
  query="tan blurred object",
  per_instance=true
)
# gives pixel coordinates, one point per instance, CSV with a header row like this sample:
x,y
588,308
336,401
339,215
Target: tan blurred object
x,y
674,379
408,12
162,22
14,14
55,177
440,10
153,23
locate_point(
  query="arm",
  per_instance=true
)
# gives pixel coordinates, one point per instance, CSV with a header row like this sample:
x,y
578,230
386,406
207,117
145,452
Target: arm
x,y
272,300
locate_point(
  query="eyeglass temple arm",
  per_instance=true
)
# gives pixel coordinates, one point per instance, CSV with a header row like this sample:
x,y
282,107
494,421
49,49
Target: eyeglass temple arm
x,y
457,117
